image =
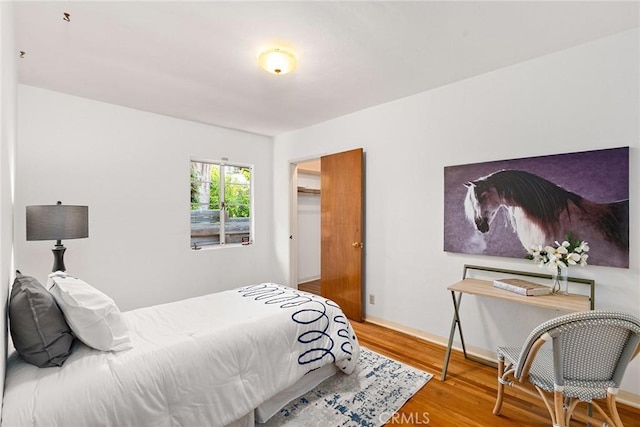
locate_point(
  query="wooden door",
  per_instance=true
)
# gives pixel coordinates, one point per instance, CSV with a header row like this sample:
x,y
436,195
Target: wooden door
x,y
342,243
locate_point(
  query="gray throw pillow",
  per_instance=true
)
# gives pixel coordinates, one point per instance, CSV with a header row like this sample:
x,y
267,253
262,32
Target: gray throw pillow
x,y
39,331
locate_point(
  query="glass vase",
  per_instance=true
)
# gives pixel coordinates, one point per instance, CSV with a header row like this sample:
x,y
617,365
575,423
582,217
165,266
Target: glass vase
x,y
560,281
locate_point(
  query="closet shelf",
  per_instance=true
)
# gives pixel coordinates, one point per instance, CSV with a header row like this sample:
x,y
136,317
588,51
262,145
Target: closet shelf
x,y
308,190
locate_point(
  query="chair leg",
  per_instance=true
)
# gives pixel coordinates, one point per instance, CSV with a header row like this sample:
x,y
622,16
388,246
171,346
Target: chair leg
x,y
613,409
571,406
558,403
498,406
547,404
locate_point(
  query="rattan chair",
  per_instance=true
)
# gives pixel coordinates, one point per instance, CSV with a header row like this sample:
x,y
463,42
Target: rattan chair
x,y
585,362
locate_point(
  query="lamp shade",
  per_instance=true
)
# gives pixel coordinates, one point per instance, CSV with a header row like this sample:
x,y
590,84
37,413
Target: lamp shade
x,y
57,222
277,61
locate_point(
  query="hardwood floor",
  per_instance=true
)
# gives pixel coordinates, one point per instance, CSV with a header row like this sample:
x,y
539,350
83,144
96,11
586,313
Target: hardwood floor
x,y
312,286
467,397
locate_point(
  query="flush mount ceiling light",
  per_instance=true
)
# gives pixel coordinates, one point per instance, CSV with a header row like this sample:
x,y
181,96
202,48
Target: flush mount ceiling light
x,y
277,61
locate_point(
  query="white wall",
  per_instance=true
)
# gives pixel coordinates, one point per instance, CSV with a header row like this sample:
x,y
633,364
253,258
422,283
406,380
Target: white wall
x,y
8,89
132,169
575,100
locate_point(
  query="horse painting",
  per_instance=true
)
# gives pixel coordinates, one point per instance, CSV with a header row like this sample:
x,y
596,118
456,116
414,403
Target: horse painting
x,y
542,212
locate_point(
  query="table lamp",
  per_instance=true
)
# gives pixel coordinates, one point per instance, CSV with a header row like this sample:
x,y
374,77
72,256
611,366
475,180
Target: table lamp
x,y
57,222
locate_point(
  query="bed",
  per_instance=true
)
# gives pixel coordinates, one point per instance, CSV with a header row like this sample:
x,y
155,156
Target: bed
x,y
229,358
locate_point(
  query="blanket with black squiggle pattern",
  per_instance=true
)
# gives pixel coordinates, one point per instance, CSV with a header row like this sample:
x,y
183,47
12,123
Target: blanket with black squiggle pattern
x,y
202,361
323,332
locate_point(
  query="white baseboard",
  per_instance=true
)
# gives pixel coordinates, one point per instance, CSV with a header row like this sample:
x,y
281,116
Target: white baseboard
x,y
624,397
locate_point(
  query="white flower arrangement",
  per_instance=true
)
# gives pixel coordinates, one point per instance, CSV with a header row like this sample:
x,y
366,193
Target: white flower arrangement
x,y
562,255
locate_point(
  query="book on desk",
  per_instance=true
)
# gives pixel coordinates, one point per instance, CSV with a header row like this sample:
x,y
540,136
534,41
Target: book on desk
x,y
522,287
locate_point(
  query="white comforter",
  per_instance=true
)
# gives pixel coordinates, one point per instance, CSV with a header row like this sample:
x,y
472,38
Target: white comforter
x,y
204,361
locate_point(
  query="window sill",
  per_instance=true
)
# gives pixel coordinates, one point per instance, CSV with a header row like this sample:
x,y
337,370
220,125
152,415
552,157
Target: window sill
x,y
216,247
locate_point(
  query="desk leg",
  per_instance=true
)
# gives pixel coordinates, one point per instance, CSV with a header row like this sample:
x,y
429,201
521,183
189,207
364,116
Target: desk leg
x,y
454,322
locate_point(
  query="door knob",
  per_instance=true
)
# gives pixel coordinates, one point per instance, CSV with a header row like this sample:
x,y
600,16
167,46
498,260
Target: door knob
x,y
357,245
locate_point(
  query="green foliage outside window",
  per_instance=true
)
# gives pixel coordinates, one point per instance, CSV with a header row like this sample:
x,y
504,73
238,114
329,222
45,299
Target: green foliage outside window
x,y
195,183
236,190
214,194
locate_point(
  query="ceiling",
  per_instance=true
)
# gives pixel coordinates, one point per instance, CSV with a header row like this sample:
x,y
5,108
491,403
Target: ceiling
x,y
198,60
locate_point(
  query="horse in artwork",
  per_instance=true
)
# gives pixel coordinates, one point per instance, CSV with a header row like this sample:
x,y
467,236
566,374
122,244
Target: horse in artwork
x,y
542,212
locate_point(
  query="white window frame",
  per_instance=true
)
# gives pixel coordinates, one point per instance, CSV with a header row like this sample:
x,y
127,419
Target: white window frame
x,y
222,234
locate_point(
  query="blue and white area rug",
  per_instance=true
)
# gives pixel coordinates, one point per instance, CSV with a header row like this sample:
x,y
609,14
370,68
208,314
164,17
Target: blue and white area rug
x,y
377,388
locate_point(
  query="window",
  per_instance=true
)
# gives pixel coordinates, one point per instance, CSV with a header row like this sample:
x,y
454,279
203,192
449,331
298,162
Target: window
x,y
221,204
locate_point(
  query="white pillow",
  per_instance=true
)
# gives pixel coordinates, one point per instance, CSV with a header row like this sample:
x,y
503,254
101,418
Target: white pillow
x,y
92,316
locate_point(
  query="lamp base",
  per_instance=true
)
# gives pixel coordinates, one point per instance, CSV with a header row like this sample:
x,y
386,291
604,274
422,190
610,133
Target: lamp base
x,y
58,258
